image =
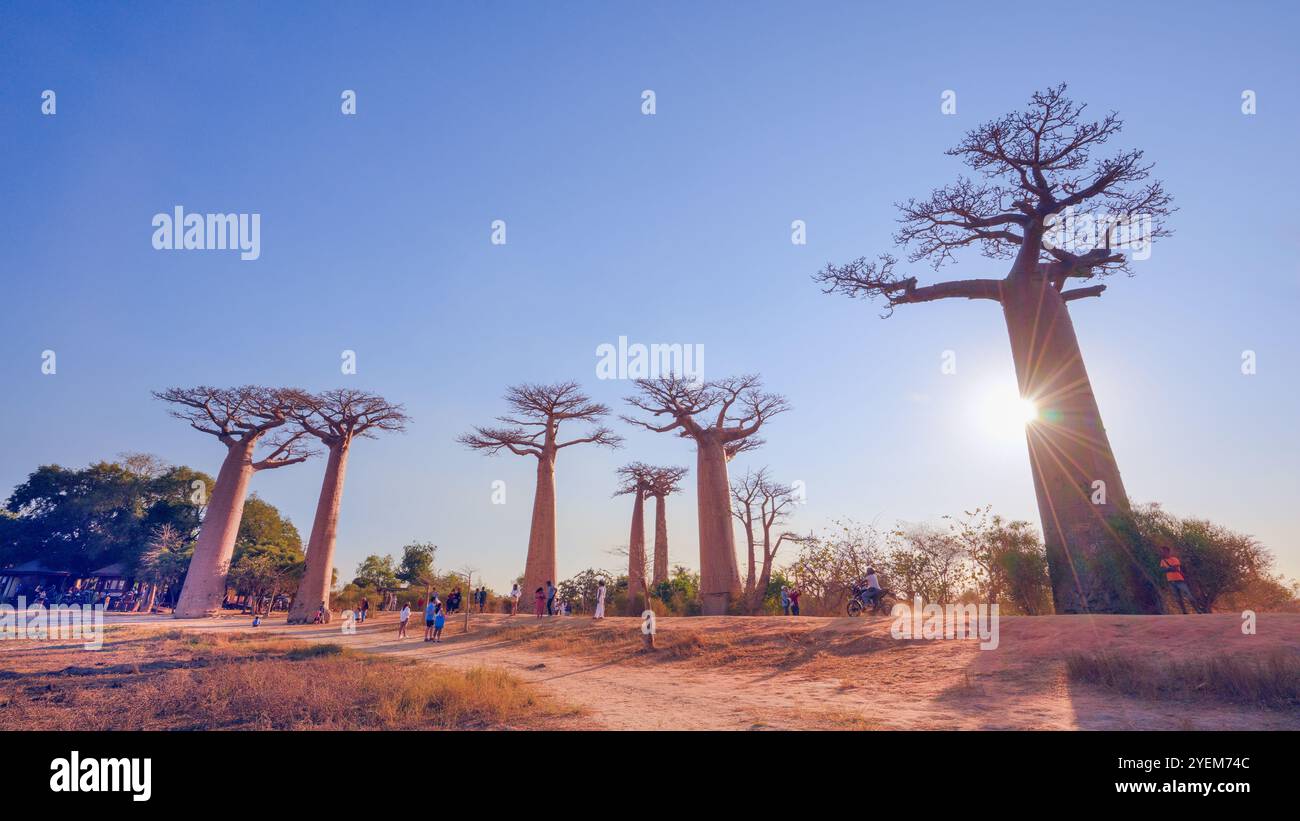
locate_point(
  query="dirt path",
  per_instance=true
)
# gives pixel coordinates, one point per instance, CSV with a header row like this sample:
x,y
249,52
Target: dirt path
x,y
757,673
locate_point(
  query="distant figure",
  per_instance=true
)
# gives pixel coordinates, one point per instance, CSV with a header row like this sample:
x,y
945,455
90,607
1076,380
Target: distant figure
x,y
482,598
539,602
320,615
430,610
872,588
1174,575
402,619
600,600
785,601
794,601
439,620
550,598
365,608
514,600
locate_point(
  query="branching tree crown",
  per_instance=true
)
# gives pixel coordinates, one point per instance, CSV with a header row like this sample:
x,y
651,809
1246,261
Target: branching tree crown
x,y
533,426
1033,166
731,409
243,415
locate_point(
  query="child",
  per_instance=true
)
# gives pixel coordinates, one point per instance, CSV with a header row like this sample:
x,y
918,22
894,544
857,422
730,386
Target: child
x,y
438,621
430,610
539,603
403,618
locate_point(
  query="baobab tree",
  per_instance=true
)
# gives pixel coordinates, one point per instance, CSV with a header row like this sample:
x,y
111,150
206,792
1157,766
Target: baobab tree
x,y
720,416
1037,171
762,506
336,418
637,481
240,418
533,429
664,482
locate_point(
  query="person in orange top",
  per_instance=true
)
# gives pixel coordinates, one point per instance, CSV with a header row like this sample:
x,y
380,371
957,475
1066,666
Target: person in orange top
x,y
1174,575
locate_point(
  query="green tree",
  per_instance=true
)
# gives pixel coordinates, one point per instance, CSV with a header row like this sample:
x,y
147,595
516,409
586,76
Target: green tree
x,y
82,519
262,524
376,572
416,566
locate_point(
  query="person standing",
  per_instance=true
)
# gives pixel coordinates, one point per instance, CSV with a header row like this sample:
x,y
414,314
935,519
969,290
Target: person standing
x,y
1177,582
785,601
430,610
539,602
550,598
514,600
365,608
794,601
600,600
402,619
439,619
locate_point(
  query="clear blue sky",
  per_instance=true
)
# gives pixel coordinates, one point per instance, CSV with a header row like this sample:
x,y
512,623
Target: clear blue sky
x,y
666,228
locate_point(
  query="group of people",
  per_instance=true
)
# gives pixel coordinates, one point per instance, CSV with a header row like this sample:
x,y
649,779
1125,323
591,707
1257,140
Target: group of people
x,y
545,604
789,600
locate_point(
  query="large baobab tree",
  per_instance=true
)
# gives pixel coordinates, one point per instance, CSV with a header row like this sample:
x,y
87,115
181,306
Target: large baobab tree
x,y
1039,192
761,505
337,418
637,480
664,482
533,429
240,418
721,416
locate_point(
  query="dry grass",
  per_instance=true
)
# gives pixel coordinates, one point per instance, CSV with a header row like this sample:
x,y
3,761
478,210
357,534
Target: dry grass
x,y
784,647
1270,680
181,681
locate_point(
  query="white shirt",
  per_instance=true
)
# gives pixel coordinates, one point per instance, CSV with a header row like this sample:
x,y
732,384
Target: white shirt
x,y
514,592
406,613
872,582
600,595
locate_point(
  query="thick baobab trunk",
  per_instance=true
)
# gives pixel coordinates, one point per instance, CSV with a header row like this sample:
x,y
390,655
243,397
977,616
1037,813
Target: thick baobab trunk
x,y
314,587
636,602
540,565
1075,474
660,573
205,581
719,576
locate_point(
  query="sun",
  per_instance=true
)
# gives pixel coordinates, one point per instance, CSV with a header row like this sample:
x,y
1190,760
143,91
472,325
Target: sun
x,y
1025,411
1005,415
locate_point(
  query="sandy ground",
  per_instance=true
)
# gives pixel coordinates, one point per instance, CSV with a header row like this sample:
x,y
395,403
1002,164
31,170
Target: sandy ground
x,y
784,673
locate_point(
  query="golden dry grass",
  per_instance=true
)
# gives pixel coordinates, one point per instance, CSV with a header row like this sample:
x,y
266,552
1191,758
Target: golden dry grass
x,y
180,681
1270,680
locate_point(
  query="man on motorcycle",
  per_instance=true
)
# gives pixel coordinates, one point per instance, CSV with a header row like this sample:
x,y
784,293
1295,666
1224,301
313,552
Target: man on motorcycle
x,y
872,589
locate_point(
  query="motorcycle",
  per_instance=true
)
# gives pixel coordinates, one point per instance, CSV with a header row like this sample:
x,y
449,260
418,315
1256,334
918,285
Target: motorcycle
x,y
880,604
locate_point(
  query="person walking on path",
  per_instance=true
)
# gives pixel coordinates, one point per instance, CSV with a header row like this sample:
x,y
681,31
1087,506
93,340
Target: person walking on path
x,y
514,600
1177,582
402,619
